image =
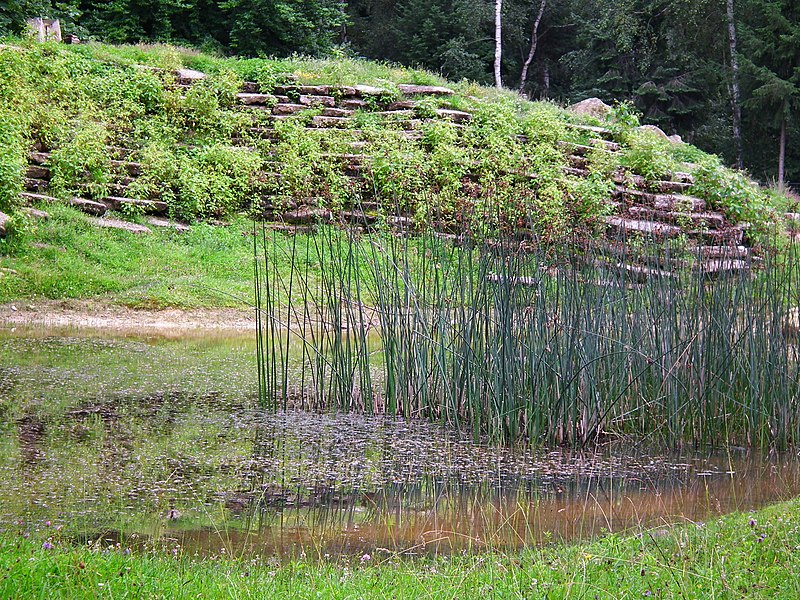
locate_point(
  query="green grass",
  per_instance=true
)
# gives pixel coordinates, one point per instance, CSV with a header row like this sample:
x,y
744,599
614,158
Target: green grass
x,y
736,556
66,257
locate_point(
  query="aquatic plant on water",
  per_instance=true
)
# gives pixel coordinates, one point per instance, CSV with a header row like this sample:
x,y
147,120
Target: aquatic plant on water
x,y
519,341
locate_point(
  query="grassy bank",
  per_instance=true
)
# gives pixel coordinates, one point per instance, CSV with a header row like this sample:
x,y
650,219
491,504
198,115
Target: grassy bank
x,y
65,257
736,556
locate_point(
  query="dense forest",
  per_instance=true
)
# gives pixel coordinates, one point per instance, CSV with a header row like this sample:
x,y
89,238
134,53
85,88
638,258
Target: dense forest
x,y
723,74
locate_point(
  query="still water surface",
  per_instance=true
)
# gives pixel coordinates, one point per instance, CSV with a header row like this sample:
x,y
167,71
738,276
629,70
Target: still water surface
x,y
158,442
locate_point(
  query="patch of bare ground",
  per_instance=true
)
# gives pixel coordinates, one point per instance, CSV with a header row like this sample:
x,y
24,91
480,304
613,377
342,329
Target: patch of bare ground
x,y
93,314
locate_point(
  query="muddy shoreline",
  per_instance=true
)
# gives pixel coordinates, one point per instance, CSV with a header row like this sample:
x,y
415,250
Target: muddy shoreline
x,y
94,315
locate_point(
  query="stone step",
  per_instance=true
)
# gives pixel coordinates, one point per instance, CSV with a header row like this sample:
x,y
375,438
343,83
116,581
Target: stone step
x,y
398,105
256,99
29,197
634,272
315,90
664,255
601,131
283,108
357,216
316,100
682,177
5,220
38,172
366,91
134,169
730,252
120,153
164,223
329,122
671,187
410,89
696,219
720,267
403,114
605,145
730,236
39,158
89,206
627,179
119,224
575,149
251,87
337,112
117,189
352,159
625,227
188,76
669,202
32,184
575,172
353,103
578,162
307,214
151,207
457,116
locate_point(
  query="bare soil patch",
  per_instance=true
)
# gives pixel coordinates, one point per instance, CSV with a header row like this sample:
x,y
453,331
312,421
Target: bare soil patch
x,y
93,314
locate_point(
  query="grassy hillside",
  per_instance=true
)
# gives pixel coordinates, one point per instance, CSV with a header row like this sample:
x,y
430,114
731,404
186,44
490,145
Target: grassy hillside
x,y
122,127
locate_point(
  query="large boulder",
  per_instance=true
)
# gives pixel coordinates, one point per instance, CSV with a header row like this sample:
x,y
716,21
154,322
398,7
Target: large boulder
x,y
591,107
657,131
189,76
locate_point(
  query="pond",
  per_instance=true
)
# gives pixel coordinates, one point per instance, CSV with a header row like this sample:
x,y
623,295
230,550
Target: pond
x,y
156,441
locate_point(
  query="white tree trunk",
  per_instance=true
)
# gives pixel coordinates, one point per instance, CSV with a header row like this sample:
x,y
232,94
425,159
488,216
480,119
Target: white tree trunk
x,y
498,42
782,156
736,104
523,78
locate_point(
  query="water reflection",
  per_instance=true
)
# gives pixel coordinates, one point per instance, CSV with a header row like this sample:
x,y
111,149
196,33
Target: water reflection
x,y
157,442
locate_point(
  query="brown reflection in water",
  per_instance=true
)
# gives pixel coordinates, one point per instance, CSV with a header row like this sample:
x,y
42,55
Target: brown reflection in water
x,y
456,518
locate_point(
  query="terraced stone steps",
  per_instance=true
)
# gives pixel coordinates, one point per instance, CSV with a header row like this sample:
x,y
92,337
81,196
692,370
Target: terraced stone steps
x,y
658,210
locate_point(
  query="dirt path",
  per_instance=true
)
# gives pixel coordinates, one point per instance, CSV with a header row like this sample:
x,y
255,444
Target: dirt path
x,y
91,314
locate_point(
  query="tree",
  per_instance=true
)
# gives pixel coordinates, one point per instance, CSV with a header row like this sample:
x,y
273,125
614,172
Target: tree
x,y
523,78
498,43
736,102
771,58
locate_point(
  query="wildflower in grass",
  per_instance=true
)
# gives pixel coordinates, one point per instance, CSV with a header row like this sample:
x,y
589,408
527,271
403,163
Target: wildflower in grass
x,y
366,558
47,545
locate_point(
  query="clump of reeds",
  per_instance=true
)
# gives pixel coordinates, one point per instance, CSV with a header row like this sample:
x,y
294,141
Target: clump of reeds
x,y
517,341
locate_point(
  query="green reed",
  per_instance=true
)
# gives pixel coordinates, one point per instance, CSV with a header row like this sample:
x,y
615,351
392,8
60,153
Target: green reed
x,y
523,342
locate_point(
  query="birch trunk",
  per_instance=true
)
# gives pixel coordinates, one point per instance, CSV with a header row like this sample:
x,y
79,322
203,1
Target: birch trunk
x,y
498,42
782,156
735,93
523,78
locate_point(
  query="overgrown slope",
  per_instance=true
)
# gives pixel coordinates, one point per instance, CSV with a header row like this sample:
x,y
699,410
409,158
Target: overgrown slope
x,y
301,141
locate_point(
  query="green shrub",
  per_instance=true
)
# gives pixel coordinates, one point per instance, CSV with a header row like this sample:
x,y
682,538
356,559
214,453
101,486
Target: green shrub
x,y
647,154
739,198
81,162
